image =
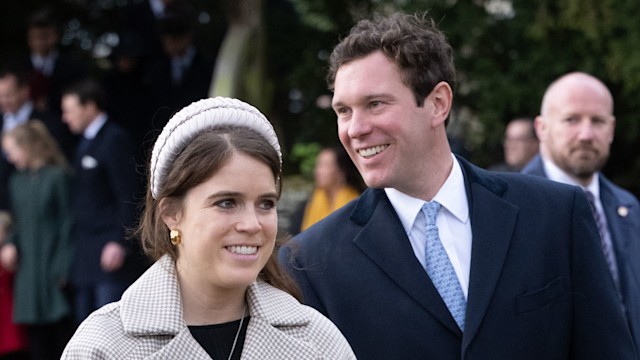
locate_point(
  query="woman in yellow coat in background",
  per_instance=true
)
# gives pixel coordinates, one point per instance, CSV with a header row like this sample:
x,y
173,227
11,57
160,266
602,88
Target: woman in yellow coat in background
x,y
336,182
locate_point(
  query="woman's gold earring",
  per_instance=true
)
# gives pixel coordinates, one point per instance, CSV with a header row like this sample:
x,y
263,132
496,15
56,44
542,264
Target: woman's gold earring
x,y
175,237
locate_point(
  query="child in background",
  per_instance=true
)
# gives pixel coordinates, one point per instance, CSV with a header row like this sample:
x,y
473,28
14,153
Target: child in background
x,y
13,338
40,245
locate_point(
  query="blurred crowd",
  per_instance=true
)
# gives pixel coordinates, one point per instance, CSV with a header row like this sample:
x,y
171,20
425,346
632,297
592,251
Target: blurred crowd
x,y
75,138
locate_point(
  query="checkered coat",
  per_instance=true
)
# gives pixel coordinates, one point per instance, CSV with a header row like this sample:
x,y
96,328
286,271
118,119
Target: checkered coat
x,y
147,323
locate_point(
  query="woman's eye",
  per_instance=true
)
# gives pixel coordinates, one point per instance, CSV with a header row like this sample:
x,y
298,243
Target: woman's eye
x,y
267,204
225,204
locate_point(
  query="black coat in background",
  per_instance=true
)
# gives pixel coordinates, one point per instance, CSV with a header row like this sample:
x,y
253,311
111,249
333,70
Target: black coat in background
x,y
167,97
104,206
622,211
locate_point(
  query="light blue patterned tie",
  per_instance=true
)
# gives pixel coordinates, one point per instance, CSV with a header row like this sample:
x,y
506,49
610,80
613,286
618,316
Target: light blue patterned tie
x,y
439,267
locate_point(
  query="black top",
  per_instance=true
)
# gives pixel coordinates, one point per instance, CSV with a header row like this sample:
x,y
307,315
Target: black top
x,y
217,339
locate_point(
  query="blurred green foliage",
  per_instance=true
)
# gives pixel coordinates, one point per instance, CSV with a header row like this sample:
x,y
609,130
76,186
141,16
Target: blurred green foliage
x,y
305,155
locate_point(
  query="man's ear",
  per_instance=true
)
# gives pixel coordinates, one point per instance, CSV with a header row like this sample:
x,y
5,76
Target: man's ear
x,y
540,127
613,131
441,97
170,212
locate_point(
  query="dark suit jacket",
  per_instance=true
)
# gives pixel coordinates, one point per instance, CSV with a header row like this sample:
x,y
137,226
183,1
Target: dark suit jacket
x,y
167,97
625,235
137,17
537,290
68,69
103,204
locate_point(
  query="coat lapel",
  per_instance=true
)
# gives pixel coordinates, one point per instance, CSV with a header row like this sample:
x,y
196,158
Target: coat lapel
x,y
620,216
182,346
535,167
492,224
493,221
265,341
384,241
144,315
616,211
275,319
159,317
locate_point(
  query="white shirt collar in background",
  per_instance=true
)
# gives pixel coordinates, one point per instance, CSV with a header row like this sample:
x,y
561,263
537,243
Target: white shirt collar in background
x,y
11,120
92,130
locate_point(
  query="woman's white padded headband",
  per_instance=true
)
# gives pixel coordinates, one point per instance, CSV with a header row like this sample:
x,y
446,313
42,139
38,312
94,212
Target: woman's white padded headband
x,y
201,116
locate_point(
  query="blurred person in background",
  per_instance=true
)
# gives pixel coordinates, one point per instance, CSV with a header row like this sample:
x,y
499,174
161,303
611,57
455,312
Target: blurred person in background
x,y
40,249
142,17
520,145
576,127
128,91
103,201
50,68
14,337
17,108
183,73
336,182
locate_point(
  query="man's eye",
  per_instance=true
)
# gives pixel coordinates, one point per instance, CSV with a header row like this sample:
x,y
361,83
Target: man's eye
x,y
342,110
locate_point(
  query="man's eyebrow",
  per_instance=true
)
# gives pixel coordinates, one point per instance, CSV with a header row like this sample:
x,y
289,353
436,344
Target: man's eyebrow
x,y
366,98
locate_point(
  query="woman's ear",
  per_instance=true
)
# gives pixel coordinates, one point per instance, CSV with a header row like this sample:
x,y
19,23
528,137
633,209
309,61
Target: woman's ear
x,y
170,212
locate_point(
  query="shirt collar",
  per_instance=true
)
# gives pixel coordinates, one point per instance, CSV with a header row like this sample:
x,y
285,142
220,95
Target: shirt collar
x,y
157,7
186,59
452,196
24,112
44,63
21,116
558,175
94,127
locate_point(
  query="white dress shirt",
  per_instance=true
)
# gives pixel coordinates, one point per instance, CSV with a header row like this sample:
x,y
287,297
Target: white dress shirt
x,y
180,64
44,64
454,225
94,127
11,120
157,7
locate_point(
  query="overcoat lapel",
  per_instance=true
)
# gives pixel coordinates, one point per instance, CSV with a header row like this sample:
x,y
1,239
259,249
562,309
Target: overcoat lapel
x,y
260,340
493,221
384,241
621,231
492,224
182,346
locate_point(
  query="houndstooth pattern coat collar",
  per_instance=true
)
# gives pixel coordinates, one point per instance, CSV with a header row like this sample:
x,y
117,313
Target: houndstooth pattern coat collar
x,y
147,323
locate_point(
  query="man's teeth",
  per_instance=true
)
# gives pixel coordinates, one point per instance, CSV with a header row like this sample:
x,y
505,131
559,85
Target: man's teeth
x,y
372,150
244,250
